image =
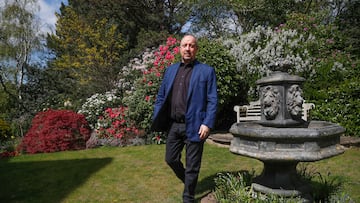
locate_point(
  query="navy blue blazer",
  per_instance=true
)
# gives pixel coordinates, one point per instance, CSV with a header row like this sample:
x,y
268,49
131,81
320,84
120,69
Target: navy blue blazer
x,y
202,100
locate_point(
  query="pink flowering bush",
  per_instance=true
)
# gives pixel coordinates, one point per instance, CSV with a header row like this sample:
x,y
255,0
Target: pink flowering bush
x,y
56,130
141,99
114,127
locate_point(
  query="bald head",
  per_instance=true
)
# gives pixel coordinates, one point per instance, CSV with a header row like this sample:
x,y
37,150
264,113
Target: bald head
x,y
188,48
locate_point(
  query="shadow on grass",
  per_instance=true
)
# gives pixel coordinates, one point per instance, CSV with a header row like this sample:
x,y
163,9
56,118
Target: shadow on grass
x,y
45,181
207,184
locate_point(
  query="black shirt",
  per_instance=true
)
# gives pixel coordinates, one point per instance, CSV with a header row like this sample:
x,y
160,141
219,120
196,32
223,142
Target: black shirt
x,y
179,92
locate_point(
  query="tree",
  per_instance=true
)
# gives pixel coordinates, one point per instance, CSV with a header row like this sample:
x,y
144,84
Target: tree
x,y
88,53
219,18
214,18
349,23
19,38
134,16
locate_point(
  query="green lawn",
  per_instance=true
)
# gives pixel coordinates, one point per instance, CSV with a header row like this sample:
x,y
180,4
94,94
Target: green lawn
x,y
133,174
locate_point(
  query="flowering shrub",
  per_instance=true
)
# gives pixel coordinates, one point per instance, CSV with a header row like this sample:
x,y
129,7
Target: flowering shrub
x,y
114,125
141,99
56,130
263,47
133,70
96,104
158,138
258,51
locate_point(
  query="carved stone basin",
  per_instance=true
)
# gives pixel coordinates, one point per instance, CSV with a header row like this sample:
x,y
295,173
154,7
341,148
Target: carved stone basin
x,y
313,141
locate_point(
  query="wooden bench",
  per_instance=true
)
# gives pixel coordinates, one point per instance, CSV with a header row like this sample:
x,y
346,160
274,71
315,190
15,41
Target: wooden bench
x,y
252,112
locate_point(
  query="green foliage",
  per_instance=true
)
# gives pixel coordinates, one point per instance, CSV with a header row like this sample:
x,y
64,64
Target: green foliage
x,y
236,187
324,188
349,24
332,84
5,131
231,84
88,52
340,105
135,16
233,187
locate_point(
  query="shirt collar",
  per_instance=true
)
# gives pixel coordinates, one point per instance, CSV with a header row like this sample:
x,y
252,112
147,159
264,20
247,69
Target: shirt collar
x,y
187,65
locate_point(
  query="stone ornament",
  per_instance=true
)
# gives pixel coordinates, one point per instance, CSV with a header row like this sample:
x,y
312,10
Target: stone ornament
x,y
281,139
271,102
294,100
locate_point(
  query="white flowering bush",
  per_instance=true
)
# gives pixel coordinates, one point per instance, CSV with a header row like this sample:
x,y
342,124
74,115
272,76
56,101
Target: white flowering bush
x,y
262,49
96,104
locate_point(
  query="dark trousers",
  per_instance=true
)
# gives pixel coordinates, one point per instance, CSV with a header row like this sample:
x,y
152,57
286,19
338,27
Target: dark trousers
x,y
175,143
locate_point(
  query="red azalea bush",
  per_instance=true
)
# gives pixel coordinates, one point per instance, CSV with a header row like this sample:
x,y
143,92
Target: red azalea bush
x,y
56,130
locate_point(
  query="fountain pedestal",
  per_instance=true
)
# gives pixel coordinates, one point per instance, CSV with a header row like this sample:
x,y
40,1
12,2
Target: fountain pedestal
x,y
281,139
279,178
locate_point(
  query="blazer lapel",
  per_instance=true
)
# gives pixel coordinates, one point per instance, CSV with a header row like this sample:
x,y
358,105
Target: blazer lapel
x,y
172,76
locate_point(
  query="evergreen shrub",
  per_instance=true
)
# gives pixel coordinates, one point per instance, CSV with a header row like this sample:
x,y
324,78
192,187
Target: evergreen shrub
x,y
56,130
231,85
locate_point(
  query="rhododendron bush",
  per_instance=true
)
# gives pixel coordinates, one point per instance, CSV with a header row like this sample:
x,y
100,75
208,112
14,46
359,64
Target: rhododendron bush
x,y
114,125
141,99
56,130
96,104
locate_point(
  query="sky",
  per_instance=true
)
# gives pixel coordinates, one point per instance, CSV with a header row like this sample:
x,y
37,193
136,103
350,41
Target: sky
x,y
46,13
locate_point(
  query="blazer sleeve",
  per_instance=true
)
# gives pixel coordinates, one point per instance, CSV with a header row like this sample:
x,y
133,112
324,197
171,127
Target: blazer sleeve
x,y
212,100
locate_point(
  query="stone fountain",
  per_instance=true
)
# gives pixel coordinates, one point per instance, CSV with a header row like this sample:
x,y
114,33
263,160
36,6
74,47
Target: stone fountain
x,y
281,139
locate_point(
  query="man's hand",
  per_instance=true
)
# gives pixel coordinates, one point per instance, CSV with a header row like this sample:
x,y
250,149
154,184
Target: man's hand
x,y
204,132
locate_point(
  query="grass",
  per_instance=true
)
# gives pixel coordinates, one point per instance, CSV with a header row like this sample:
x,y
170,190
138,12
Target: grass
x,y
134,174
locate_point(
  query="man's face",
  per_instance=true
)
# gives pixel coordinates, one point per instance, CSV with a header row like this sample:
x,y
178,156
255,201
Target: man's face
x,y
188,49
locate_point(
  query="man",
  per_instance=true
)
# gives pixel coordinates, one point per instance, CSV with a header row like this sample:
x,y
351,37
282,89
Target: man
x,y
185,108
